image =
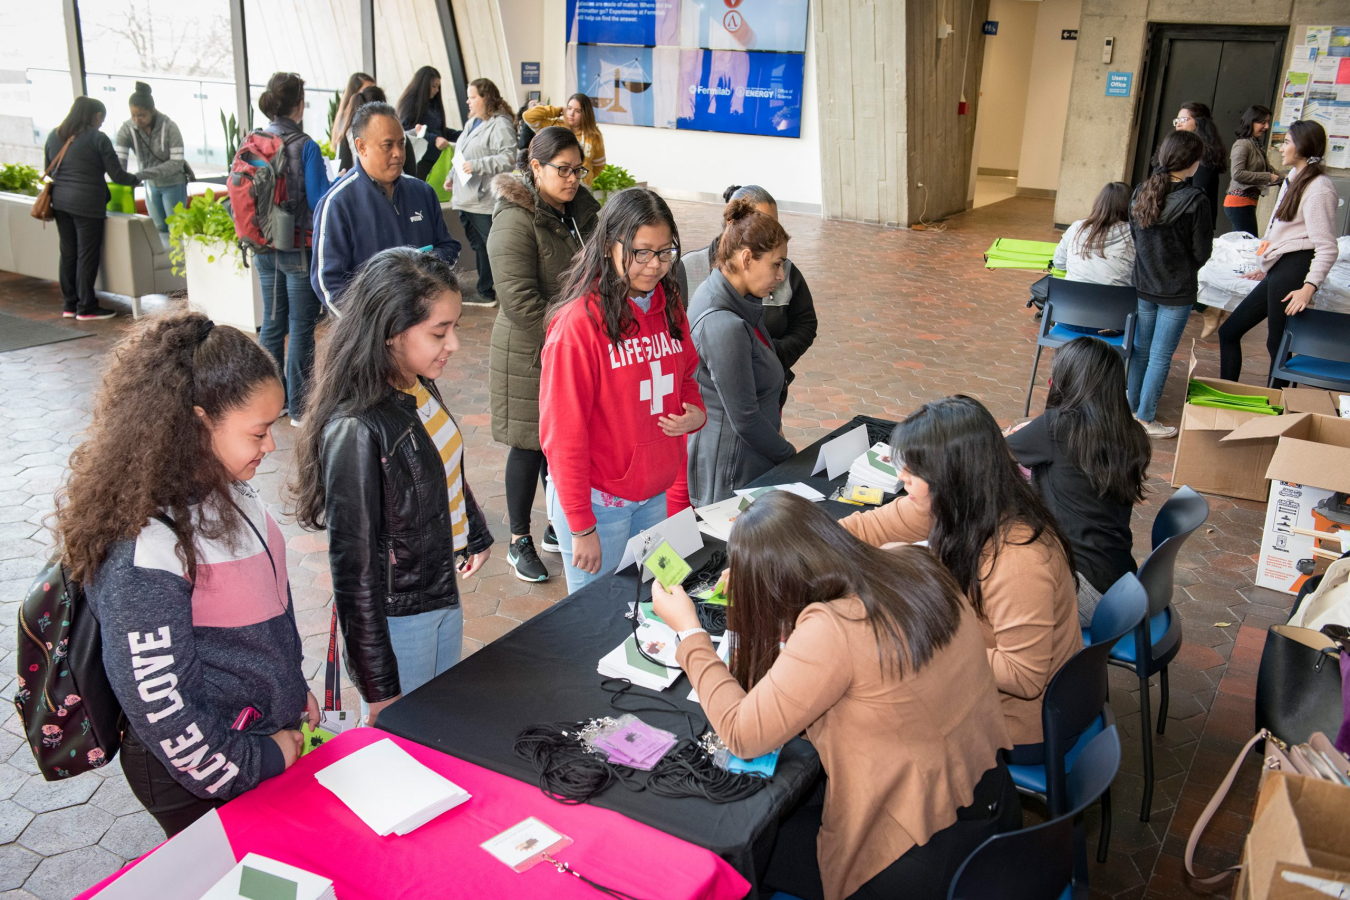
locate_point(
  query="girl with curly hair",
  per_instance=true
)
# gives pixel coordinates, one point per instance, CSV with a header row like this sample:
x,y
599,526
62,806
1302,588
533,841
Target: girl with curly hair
x,y
185,567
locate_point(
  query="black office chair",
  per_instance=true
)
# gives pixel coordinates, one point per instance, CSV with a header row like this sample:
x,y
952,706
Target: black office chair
x,y
1087,305
1075,709
1315,350
1037,863
1158,639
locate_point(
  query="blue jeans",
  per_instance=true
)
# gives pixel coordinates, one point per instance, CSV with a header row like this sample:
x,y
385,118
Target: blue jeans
x,y
289,306
1157,332
614,524
425,645
160,201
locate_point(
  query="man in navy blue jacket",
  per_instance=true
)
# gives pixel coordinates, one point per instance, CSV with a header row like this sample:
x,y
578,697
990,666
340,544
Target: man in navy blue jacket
x,y
374,207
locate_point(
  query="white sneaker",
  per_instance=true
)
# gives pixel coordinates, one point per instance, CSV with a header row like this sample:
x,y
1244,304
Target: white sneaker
x,y
1158,430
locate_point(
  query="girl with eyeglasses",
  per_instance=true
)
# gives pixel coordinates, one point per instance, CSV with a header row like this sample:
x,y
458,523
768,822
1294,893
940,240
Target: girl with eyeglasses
x,y
617,393
1196,118
739,372
543,216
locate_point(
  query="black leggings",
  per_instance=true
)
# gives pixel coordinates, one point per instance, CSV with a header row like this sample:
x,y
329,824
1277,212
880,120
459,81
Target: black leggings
x,y
173,806
923,873
524,468
1264,302
1242,218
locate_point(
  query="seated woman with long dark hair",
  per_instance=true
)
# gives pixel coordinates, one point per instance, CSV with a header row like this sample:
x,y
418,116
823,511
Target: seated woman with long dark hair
x,y
966,497
1088,459
878,657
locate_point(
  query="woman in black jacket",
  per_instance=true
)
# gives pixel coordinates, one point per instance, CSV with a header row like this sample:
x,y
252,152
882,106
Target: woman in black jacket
x,y
80,202
1173,229
421,104
380,464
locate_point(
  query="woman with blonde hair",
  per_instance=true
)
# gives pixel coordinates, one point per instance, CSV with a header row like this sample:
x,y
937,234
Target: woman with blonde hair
x,y
578,116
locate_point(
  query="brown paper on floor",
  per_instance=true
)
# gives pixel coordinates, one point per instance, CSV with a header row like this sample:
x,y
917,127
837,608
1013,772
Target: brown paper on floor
x,y
1300,821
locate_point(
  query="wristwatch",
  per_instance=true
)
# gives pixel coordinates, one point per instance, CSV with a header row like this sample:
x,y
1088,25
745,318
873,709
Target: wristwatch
x,y
681,635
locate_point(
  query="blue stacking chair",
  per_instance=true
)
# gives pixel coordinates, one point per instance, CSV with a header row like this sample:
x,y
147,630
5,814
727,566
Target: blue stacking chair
x,y
1075,709
1158,639
1087,305
1315,350
1038,862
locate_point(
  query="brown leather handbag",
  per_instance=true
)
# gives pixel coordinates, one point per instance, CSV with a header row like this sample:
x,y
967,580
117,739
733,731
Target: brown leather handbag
x,y
42,206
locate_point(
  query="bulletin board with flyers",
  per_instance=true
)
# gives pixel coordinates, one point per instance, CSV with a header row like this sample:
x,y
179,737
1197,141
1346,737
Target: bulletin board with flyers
x,y
732,66
1317,87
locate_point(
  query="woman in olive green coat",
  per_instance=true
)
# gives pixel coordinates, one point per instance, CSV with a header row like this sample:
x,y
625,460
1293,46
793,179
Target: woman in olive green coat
x,y
540,221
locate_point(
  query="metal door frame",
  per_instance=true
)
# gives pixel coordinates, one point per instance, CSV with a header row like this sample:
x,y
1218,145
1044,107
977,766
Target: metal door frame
x,y
1157,51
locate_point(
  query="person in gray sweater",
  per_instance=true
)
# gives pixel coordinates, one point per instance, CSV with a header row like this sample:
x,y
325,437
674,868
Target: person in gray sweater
x,y
80,202
739,372
789,309
159,155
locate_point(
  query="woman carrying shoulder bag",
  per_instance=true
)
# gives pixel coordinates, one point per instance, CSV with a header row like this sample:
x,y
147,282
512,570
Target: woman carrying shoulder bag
x,y
1252,171
486,148
544,216
79,202
1299,250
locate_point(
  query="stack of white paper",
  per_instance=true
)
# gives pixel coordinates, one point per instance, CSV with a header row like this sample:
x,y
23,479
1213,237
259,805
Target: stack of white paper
x,y
875,468
624,661
717,518
389,790
799,488
258,876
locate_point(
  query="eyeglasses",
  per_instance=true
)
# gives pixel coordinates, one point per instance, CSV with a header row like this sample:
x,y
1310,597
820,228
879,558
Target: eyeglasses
x,y
566,172
1176,123
645,256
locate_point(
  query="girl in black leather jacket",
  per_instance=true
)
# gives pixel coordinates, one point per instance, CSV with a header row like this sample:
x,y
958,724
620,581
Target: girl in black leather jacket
x,y
380,464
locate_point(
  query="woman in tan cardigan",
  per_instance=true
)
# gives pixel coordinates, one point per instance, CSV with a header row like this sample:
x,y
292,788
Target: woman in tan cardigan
x,y
882,664
578,116
987,525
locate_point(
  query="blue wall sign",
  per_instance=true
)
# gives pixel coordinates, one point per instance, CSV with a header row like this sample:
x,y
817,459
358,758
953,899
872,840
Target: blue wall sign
x,y
529,73
1118,83
991,27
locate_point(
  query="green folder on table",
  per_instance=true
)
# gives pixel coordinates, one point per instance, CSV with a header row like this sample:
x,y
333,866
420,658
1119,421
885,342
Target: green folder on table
x,y
1198,394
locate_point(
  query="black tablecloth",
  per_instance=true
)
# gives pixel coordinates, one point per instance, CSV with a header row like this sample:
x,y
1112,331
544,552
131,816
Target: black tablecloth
x,y
799,467
545,671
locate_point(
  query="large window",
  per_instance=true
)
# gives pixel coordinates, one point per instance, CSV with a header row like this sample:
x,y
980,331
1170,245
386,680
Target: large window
x,y
35,86
182,50
407,37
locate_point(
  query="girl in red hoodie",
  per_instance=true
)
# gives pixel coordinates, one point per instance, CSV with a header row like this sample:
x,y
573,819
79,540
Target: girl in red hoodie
x,y
617,393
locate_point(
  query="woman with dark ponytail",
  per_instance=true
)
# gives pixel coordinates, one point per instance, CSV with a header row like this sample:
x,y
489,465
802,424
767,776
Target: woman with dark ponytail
x,y
1300,249
160,160
290,306
1173,228
184,565
543,216
739,372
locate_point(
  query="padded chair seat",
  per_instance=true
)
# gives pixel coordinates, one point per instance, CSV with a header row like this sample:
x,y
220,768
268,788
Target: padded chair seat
x,y
1317,367
1123,651
1032,778
1060,333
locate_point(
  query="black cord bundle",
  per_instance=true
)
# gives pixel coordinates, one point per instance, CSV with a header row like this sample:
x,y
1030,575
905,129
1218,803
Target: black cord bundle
x,y
567,772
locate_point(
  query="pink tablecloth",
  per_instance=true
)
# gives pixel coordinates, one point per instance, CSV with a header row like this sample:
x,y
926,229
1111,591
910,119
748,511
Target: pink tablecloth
x,y
293,819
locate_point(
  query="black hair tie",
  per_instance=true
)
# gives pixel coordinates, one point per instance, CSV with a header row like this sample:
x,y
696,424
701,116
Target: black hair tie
x,y
1160,170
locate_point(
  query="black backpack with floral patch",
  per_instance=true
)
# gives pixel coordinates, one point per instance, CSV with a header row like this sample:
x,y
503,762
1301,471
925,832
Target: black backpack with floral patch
x,y
72,718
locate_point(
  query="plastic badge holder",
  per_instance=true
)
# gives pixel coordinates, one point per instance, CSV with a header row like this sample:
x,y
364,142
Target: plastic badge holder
x,y
763,766
525,844
631,742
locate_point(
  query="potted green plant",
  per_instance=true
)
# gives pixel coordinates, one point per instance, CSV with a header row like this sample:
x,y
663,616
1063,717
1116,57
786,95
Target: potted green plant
x,y
17,178
611,180
204,246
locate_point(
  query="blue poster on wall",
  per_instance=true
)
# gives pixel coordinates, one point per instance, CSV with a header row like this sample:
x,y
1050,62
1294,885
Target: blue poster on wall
x,y
740,92
628,85
744,25
642,23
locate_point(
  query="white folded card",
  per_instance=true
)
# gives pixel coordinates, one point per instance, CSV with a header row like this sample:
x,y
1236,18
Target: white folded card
x,y
388,789
680,531
259,876
837,455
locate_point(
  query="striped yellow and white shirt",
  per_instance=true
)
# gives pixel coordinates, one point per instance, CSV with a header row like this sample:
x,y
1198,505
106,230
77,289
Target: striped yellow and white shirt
x,y
446,437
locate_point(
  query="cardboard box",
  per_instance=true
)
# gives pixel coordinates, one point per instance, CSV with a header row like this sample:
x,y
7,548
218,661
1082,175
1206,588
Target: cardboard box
x,y
1308,400
1283,888
1299,822
1310,463
1209,459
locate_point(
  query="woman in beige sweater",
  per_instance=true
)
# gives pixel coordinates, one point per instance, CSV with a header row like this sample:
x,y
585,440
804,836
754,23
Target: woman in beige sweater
x,y
578,116
985,522
878,657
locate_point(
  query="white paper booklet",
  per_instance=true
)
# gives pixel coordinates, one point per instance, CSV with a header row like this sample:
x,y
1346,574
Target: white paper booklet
x,y
258,876
389,790
876,468
624,661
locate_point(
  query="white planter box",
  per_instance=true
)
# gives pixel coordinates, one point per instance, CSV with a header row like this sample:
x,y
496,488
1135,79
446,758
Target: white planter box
x,y
223,289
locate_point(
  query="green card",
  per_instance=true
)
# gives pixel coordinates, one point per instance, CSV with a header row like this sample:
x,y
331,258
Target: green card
x,y
256,884
649,612
314,738
667,566
719,596
638,661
